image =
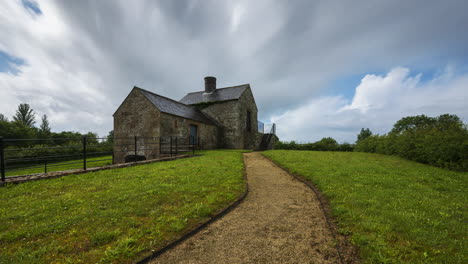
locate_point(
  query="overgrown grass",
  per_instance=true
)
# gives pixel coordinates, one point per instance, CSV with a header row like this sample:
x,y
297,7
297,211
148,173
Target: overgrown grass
x,y
61,165
114,216
396,211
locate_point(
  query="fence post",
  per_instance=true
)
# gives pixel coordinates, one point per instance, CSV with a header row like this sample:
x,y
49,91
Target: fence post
x,y
45,166
84,152
198,143
170,151
193,145
160,148
135,145
176,146
2,159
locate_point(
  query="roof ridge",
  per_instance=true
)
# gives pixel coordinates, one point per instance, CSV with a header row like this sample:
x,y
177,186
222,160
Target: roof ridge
x,y
189,106
235,86
162,96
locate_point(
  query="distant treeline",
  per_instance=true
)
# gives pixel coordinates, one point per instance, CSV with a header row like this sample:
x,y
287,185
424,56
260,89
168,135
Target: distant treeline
x,y
325,144
41,141
22,126
439,141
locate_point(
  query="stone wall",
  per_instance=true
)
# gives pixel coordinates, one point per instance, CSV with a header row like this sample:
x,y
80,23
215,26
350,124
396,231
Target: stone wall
x,y
178,126
227,115
136,117
139,117
251,139
232,115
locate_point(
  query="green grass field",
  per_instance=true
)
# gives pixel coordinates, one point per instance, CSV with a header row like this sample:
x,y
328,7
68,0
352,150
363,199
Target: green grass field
x,y
396,211
62,165
117,215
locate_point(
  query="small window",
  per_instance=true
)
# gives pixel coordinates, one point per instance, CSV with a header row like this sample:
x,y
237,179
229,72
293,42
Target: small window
x,y
248,125
175,124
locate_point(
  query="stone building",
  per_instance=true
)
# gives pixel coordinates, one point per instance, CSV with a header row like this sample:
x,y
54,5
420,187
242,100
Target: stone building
x,y
213,118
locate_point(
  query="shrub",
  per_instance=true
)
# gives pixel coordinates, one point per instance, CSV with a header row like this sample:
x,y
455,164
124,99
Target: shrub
x,y
440,141
325,144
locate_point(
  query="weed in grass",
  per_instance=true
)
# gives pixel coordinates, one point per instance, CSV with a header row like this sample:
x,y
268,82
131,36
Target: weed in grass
x,y
100,238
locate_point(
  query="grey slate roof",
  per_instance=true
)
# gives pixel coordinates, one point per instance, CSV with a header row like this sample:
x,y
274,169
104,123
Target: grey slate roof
x,y
172,107
220,94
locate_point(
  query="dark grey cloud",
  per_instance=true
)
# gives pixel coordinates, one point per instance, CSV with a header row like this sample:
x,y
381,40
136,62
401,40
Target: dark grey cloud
x,y
95,51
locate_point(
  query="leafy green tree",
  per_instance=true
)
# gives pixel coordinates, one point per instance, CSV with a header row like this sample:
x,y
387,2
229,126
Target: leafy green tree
x,y
25,115
91,138
440,141
110,137
15,130
447,121
65,137
44,129
413,122
365,133
345,147
3,118
326,144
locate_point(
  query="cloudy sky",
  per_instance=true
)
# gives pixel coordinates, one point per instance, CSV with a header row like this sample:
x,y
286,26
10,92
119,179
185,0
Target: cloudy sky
x,y
317,68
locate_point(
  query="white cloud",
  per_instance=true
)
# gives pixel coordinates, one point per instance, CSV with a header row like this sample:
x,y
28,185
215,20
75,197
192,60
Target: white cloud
x,y
377,92
83,57
57,78
378,102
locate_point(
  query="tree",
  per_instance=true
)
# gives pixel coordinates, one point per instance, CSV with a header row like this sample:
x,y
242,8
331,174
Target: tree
x,y
25,115
3,118
110,137
413,122
365,133
14,130
45,126
441,141
326,144
92,138
44,129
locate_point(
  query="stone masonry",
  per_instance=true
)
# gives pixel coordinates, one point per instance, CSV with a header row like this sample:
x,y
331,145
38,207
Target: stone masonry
x,y
223,117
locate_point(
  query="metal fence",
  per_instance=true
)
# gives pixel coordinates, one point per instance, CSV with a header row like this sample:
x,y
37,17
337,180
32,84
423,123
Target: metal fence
x,y
270,129
31,156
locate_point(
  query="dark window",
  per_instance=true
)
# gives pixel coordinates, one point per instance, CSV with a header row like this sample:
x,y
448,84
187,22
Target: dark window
x,y
249,121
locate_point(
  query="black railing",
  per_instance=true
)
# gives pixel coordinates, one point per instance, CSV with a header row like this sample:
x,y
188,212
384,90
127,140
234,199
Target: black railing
x,y
32,156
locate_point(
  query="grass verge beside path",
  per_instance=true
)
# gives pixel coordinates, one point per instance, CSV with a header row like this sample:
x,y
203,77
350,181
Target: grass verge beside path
x,y
117,215
396,211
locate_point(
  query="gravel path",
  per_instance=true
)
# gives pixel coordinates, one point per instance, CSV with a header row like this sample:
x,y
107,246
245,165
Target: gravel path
x,y
280,221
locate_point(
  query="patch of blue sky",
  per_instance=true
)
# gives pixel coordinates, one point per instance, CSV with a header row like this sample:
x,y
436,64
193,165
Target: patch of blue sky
x,y
32,6
9,63
344,86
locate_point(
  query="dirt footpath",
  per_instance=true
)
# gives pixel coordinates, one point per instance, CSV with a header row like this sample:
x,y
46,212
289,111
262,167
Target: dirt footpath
x,y
280,221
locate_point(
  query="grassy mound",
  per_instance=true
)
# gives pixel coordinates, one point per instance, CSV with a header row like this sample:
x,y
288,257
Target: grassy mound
x,y
396,211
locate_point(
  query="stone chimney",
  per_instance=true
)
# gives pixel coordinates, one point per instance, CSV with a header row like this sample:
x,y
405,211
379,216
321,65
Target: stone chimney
x,y
210,84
